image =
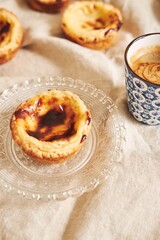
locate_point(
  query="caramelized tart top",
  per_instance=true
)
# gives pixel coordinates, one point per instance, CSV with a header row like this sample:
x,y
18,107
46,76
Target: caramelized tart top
x,y
51,124
91,19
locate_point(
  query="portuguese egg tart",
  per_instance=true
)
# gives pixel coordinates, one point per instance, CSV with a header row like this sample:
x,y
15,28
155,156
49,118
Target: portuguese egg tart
x,y
48,6
11,35
52,126
92,24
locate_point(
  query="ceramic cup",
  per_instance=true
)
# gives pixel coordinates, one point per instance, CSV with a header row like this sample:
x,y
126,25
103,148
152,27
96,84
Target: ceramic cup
x,y
143,97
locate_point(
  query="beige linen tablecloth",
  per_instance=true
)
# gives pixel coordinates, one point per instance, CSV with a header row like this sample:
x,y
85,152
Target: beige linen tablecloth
x,y
127,205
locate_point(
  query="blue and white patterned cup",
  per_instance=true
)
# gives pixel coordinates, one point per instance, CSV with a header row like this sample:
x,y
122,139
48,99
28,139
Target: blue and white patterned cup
x,y
143,97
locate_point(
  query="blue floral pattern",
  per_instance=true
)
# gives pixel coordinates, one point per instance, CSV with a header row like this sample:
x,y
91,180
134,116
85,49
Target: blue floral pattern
x,y
143,99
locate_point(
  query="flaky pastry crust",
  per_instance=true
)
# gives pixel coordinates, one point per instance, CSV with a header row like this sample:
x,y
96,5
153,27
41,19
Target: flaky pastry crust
x,y
51,127
11,35
92,24
48,6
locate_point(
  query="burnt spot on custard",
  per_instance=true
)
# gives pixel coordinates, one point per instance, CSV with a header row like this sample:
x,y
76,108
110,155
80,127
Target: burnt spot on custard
x,y
114,29
88,118
22,113
63,24
84,137
95,6
4,29
102,23
57,123
40,102
54,117
114,19
119,25
98,24
109,31
80,38
88,121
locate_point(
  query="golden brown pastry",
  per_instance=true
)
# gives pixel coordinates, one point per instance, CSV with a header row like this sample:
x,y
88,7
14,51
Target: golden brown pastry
x,y
11,35
48,6
92,24
52,126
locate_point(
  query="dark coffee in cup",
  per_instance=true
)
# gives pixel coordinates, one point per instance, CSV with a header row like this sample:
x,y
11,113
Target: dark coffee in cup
x,y
146,63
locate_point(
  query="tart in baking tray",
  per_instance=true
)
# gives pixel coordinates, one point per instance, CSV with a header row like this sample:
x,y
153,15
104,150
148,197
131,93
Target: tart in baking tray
x,y
92,24
48,6
11,35
52,126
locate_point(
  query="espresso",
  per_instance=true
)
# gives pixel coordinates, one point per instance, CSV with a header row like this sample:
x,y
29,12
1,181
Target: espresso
x,y
146,64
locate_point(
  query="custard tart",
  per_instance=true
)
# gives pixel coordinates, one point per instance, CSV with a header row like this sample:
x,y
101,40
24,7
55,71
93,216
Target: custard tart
x,y
48,6
52,126
11,35
92,24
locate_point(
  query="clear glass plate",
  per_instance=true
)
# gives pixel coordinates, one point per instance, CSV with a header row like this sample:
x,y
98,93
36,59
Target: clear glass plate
x,y
94,163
